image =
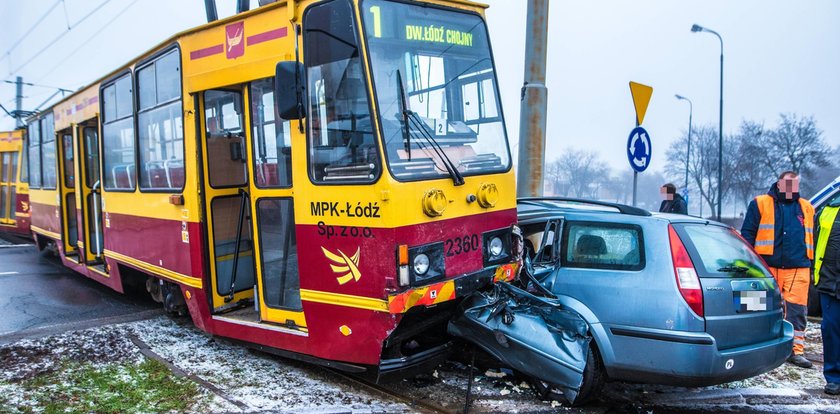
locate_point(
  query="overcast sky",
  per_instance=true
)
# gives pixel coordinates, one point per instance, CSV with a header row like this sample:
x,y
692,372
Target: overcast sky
x,y
780,56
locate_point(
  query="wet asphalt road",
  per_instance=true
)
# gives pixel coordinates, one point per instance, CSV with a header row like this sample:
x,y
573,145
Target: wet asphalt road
x,y
38,294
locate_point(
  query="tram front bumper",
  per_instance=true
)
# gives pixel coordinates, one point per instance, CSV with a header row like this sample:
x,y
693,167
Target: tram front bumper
x,y
459,287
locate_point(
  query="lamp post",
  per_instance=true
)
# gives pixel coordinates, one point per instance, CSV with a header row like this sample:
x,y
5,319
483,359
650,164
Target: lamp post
x,y
697,28
688,150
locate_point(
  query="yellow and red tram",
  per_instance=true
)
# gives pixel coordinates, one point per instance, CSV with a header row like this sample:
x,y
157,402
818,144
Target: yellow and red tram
x,y
321,179
14,190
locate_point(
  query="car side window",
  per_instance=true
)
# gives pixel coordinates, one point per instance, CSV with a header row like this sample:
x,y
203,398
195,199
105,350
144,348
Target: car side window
x,y
541,241
603,246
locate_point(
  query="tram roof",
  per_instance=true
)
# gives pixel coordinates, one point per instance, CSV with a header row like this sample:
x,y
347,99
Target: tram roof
x,y
197,29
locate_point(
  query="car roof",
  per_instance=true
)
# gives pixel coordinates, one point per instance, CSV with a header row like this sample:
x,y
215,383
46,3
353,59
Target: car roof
x,y
531,208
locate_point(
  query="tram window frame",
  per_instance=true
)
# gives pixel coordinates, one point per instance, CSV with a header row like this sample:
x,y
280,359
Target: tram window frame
x,y
23,176
290,226
49,170
219,131
115,116
34,151
164,96
452,104
69,167
259,102
314,26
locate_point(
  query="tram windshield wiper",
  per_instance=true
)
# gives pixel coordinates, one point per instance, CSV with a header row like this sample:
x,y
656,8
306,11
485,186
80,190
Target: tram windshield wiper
x,y
411,119
404,111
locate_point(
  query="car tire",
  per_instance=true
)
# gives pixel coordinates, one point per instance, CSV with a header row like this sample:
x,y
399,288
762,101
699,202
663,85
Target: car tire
x,y
594,377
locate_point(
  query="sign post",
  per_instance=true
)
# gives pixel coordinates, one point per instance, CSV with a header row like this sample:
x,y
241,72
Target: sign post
x,y
638,143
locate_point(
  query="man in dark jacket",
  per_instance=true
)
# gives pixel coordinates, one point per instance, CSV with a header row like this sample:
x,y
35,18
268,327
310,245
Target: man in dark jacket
x,y
780,225
672,202
827,279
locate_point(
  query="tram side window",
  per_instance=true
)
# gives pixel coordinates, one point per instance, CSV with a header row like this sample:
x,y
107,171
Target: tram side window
x,y
24,163
272,138
278,248
118,135
69,170
225,138
342,146
34,154
160,124
48,161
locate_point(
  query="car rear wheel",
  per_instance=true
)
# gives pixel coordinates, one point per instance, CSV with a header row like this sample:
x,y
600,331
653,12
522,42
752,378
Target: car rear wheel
x,y
594,377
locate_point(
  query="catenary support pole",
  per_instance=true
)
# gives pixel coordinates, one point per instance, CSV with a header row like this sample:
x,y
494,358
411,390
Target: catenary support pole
x,y
532,120
18,102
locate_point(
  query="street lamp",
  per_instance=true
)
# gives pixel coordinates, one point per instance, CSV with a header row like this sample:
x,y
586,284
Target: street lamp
x,y
697,28
687,151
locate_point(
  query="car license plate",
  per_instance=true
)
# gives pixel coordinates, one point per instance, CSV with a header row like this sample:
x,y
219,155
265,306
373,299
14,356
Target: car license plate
x,y
751,301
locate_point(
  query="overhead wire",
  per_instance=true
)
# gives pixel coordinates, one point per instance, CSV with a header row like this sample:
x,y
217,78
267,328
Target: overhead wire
x,y
62,34
38,85
66,16
89,39
17,42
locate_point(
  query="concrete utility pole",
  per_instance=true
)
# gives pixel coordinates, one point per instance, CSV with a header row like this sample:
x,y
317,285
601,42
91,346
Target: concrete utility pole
x,y
19,102
532,119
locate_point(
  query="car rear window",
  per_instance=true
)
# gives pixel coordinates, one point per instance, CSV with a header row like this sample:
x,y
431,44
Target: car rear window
x,y
720,252
603,246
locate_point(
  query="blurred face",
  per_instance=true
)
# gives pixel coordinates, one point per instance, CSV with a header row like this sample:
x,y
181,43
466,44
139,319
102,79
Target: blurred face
x,y
788,185
666,193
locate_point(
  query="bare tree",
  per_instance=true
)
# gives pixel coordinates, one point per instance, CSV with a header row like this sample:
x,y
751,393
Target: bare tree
x,y
577,173
703,163
753,158
797,144
749,177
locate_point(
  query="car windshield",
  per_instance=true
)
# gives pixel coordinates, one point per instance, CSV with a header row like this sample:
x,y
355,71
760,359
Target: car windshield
x,y
721,252
442,59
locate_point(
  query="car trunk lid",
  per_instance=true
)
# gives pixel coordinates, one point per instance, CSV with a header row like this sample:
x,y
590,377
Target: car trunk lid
x,y
742,303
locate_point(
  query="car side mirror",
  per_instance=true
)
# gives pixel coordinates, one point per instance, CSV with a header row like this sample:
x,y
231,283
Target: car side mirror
x,y
289,90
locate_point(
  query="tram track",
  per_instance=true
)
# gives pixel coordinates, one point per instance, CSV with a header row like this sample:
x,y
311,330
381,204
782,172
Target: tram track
x,y
421,405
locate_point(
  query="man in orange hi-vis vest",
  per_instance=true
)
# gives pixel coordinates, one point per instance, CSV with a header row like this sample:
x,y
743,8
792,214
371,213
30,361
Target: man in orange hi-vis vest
x,y
780,225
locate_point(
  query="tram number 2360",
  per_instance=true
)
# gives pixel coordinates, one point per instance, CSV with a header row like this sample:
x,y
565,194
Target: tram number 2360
x,y
464,244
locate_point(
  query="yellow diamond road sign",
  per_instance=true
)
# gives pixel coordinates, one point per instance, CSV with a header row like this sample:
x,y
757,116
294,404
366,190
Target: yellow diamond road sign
x,y
641,99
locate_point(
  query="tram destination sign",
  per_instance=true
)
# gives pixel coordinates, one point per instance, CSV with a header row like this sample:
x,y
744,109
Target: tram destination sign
x,y
438,34
438,27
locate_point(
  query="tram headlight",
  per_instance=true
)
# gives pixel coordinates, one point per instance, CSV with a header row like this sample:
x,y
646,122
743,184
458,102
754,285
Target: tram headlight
x,y
495,247
421,264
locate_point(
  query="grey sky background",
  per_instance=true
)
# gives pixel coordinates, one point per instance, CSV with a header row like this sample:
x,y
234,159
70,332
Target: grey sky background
x,y
780,56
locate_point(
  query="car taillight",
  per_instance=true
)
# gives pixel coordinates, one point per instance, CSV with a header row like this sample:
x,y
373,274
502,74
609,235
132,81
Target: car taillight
x,y
687,280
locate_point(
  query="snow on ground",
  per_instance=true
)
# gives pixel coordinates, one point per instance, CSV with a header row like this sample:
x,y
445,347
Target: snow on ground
x,y
254,382
261,382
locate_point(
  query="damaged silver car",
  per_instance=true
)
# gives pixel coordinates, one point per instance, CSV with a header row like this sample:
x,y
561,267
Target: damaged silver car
x,y
641,297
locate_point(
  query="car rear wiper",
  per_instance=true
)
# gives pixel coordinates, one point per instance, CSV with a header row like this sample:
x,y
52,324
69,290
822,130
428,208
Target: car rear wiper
x,y
733,269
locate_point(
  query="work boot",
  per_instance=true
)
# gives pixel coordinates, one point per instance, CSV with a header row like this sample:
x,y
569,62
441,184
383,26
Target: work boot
x,y
832,388
800,361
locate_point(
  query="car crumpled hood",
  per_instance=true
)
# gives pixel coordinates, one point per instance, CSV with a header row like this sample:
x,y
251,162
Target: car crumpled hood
x,y
534,335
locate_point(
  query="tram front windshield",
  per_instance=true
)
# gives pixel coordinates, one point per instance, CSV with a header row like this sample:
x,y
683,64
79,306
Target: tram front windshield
x,y
436,91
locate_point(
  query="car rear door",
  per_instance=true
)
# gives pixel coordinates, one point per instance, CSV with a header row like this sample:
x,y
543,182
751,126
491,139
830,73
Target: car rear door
x,y
741,300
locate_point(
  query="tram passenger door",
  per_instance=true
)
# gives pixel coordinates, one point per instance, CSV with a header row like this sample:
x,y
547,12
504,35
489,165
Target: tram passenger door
x,y
68,193
8,165
89,186
272,203
227,198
